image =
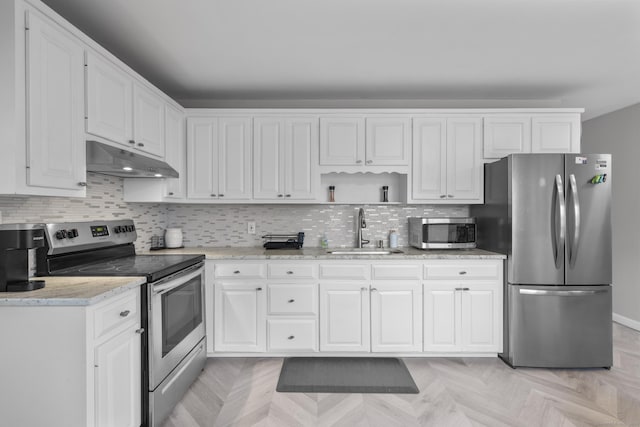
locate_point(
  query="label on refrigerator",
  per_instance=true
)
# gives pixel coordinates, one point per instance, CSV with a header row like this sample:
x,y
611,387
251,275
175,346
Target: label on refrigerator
x,y
581,160
601,164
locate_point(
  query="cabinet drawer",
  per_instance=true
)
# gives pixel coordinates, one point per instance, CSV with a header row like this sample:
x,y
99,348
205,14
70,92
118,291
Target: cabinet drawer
x,y
301,299
397,272
463,270
293,334
254,271
292,271
115,314
345,271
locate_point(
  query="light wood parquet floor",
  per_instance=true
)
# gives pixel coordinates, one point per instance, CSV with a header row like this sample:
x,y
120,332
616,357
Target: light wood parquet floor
x,y
453,392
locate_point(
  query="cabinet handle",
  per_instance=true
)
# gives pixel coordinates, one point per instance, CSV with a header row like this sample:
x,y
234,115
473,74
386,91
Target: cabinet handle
x,y
140,144
132,142
465,289
450,195
462,272
124,313
220,195
364,289
214,195
258,289
290,337
171,193
442,196
289,272
139,331
358,161
287,195
369,162
279,195
291,300
82,184
374,289
236,272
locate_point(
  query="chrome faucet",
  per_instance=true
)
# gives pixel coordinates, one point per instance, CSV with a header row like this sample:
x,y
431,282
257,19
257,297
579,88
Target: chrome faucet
x,y
362,224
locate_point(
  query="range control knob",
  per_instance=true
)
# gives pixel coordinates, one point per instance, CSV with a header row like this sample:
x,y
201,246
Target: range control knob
x,y
116,229
61,234
72,233
132,228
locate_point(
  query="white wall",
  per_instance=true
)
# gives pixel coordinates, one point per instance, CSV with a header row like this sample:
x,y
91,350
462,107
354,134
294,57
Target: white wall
x,y
618,133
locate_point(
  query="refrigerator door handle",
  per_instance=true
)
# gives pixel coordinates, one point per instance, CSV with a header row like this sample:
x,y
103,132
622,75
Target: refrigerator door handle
x,y
573,252
560,237
561,293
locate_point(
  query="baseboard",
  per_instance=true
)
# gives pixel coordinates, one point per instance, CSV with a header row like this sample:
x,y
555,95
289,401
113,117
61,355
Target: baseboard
x,y
633,324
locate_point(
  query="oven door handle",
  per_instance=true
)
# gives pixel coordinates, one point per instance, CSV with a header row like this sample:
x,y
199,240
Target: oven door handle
x,y
176,281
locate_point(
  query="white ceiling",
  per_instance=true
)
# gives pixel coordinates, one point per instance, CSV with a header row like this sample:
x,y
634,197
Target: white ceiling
x,y
361,53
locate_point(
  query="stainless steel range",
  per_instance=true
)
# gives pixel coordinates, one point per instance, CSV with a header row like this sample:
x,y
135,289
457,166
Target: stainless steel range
x,y
173,340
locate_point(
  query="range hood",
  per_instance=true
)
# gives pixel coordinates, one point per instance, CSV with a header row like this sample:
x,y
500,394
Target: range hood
x,y
108,160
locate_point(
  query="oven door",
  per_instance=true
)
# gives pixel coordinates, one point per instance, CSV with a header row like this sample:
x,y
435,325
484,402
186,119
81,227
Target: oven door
x,y
176,320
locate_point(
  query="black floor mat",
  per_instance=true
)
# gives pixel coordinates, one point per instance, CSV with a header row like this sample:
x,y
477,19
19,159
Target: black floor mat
x,y
345,375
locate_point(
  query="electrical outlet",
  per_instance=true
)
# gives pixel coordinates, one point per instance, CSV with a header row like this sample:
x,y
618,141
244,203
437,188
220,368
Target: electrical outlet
x,y
251,227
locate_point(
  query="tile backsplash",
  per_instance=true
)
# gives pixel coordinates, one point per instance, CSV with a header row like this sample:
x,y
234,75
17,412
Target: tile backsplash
x,y
222,225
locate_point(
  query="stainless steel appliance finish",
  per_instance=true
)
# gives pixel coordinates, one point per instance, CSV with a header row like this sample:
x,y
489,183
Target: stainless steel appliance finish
x,y
442,233
108,160
551,215
172,301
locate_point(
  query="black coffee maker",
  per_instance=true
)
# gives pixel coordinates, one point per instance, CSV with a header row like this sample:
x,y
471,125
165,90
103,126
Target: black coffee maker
x,y
15,242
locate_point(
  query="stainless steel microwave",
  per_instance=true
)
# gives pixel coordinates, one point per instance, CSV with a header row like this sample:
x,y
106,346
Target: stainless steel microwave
x,y
442,233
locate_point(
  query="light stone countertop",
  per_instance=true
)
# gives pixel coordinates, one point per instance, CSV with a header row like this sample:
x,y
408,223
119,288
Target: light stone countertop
x,y
71,291
242,253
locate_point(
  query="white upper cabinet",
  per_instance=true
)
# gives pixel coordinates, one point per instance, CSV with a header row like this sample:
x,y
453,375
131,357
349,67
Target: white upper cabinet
x,y
148,125
175,152
360,141
558,133
109,101
531,133
122,110
55,105
219,158
447,160
506,135
285,158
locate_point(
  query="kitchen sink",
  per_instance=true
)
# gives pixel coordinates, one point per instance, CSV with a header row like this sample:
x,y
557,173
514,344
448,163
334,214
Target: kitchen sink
x,y
358,251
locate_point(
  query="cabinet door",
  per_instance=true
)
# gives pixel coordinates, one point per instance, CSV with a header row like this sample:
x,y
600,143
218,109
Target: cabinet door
x,y
56,146
175,151
342,141
441,324
300,172
240,317
506,135
202,158
234,142
481,317
268,141
556,133
429,175
109,101
388,141
464,160
344,317
396,317
118,380
148,123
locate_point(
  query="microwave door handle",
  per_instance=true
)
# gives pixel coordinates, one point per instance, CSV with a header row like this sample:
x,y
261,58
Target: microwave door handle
x,y
175,282
560,237
573,252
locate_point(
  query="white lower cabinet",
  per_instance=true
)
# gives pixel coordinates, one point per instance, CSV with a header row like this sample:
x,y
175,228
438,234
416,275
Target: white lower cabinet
x,y
344,317
82,364
240,316
396,317
463,307
420,307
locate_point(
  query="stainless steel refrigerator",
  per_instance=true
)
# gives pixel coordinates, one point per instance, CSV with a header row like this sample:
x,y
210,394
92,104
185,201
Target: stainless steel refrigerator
x,y
551,215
